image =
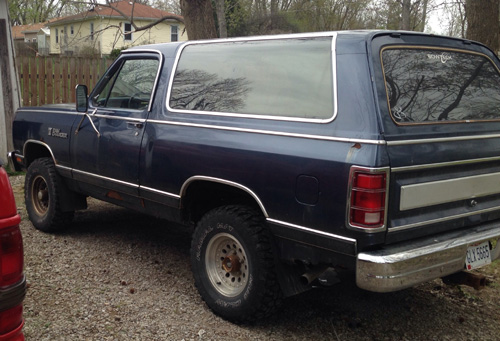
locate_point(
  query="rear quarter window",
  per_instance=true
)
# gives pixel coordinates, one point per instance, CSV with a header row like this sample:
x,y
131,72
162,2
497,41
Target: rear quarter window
x,y
287,78
427,85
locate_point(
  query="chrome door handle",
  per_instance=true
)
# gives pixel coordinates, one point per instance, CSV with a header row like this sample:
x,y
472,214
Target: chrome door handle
x,y
138,125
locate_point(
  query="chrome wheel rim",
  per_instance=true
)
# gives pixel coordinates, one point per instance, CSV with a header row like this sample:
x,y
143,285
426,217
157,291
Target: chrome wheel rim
x,y
40,195
226,264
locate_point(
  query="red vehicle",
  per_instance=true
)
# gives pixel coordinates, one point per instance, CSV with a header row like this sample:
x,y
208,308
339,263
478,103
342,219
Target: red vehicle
x,y
12,280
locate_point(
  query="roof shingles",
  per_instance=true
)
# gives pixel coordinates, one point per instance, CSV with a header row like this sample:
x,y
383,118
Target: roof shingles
x,y
117,8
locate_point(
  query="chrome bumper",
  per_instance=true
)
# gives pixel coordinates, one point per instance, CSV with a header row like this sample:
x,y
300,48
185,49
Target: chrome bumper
x,y
406,264
13,164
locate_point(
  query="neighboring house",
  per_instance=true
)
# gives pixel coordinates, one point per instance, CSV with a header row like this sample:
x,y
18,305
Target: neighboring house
x,y
43,39
32,38
26,38
102,29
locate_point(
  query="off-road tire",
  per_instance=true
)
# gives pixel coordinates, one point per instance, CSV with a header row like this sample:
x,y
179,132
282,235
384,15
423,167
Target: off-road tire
x,y
42,194
250,290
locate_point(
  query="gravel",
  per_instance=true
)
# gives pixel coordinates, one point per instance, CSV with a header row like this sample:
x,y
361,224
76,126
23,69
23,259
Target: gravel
x,y
119,275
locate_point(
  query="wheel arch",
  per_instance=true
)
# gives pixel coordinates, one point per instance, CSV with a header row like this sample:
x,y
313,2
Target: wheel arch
x,y
197,196
34,149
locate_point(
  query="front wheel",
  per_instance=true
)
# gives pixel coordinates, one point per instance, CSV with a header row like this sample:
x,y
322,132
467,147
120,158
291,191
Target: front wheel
x,y
233,264
42,188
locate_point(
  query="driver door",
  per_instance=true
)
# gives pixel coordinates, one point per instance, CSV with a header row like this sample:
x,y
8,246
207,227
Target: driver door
x,y
119,108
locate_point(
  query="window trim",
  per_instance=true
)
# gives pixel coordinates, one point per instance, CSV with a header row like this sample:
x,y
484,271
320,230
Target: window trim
x,y
333,35
140,53
57,36
429,48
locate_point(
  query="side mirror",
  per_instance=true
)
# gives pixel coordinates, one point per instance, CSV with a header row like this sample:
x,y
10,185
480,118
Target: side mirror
x,y
82,100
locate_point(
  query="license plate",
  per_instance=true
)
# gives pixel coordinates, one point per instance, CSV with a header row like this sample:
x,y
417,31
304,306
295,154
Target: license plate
x,y
478,255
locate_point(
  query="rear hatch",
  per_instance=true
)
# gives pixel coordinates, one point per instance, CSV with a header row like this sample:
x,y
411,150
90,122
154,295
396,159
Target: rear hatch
x,y
439,101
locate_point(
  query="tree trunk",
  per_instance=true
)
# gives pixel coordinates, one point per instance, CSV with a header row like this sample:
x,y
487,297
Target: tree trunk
x,y
405,16
199,19
221,18
482,22
424,15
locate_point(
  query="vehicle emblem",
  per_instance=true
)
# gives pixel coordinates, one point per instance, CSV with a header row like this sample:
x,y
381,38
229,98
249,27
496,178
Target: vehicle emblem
x,y
54,132
443,57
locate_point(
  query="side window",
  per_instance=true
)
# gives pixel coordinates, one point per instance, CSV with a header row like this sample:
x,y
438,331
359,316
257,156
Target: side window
x,y
130,86
289,78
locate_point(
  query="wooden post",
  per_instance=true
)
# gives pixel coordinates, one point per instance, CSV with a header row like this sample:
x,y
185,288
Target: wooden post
x,y
9,100
34,82
26,81
41,80
50,80
57,80
65,86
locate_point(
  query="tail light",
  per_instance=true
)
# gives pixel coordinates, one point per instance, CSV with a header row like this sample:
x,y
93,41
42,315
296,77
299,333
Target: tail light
x,y
11,263
11,241
11,324
7,204
11,256
368,198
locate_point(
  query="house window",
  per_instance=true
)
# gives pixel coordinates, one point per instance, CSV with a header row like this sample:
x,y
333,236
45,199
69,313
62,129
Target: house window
x,y
173,33
57,36
33,40
128,31
91,31
72,30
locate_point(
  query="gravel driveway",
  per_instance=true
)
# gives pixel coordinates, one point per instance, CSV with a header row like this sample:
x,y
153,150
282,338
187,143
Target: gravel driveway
x,y
118,275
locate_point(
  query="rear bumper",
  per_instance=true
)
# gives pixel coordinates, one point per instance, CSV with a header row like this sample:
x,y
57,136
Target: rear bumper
x,y
406,264
14,335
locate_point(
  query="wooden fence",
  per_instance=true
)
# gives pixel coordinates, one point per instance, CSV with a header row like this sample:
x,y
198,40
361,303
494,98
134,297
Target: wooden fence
x,y
47,80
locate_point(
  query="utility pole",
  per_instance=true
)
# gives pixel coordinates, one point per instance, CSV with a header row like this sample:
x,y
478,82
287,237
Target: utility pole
x,y
9,86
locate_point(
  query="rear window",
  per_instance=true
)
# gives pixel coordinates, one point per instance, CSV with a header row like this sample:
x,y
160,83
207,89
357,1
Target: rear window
x,y
291,78
438,85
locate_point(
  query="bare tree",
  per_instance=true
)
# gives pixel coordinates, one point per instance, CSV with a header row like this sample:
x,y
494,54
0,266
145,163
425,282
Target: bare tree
x,y
455,21
24,12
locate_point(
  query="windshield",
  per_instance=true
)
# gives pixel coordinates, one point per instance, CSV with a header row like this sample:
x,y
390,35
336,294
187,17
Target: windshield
x,y
426,85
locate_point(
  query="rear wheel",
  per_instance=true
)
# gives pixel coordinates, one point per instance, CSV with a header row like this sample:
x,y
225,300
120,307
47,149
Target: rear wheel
x,y
233,264
42,196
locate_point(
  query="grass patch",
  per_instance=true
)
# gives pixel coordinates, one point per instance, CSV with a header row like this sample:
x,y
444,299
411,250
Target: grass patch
x,y
12,172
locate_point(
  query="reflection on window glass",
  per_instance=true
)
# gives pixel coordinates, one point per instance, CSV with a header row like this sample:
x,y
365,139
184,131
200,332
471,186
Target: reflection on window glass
x,y
429,85
290,78
131,86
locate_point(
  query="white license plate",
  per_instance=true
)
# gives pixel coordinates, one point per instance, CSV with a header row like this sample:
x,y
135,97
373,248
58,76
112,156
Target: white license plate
x,y
478,255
